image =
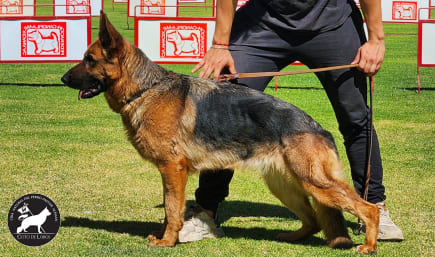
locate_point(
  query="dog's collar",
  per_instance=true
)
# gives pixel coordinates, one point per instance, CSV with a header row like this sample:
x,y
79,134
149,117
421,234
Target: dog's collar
x,y
136,96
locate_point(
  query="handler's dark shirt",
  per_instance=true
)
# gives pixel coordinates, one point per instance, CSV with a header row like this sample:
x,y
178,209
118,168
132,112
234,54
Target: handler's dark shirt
x,y
298,15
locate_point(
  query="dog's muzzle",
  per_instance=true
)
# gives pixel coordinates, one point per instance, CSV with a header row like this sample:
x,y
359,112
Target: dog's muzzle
x,y
87,90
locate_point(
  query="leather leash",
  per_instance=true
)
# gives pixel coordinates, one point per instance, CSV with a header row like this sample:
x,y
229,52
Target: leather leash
x,y
227,77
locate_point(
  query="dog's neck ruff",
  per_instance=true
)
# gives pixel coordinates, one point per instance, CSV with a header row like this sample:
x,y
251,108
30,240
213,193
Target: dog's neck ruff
x,y
147,66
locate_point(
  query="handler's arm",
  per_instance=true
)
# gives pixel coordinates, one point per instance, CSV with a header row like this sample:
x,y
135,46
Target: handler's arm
x,y
218,56
371,54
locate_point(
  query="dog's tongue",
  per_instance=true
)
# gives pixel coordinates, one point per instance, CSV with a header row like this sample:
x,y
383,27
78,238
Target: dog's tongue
x,y
88,93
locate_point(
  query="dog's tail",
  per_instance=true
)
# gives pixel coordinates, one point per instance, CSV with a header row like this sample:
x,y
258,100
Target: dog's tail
x,y
313,158
329,217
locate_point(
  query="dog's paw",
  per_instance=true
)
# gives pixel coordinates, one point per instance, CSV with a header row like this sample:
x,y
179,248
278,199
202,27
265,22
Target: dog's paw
x,y
365,249
161,243
155,235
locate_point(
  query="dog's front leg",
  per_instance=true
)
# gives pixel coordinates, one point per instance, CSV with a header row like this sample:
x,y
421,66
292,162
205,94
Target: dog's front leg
x,y
174,175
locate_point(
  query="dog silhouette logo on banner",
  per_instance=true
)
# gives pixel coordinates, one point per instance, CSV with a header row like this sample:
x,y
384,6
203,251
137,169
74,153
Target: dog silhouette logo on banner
x,y
11,7
43,39
152,7
403,10
77,6
183,40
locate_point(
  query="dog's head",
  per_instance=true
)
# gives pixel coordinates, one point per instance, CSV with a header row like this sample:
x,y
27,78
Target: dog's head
x,y
100,68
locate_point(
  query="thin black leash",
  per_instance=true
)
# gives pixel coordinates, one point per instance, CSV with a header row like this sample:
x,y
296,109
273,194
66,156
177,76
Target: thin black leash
x,y
358,230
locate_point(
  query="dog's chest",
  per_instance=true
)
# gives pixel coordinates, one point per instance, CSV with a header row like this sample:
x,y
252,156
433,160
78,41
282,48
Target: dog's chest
x,y
152,127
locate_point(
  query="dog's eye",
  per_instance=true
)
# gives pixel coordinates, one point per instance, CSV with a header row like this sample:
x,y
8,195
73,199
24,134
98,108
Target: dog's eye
x,y
89,60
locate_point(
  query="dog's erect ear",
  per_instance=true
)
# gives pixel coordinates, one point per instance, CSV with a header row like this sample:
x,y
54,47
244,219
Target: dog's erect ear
x,y
110,39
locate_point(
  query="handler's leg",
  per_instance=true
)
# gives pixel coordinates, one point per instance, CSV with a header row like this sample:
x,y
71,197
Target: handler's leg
x,y
213,188
200,220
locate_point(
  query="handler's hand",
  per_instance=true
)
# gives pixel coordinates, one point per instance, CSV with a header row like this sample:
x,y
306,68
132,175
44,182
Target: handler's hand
x,y
370,57
213,63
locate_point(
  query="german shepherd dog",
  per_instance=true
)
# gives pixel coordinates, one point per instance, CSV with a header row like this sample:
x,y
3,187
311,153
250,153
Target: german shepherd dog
x,y
183,124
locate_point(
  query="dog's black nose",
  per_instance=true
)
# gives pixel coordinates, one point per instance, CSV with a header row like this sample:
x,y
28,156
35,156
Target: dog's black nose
x,y
66,79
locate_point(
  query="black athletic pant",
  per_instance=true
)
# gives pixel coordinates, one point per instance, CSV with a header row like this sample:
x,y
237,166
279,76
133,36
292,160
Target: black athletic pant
x,y
346,89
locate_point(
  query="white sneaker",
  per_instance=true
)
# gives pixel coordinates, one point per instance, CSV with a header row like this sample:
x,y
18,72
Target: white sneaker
x,y
388,231
198,226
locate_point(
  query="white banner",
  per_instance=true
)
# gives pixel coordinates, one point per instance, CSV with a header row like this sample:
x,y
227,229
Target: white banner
x,y
152,8
403,11
43,40
174,41
77,7
14,8
427,35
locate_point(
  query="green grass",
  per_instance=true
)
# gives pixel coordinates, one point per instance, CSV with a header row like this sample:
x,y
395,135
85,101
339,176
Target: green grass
x,y
76,153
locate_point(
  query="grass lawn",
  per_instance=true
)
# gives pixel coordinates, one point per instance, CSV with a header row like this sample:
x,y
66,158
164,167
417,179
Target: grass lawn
x,y
76,153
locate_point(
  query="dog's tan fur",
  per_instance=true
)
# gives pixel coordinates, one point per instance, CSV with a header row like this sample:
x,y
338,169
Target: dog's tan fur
x,y
161,112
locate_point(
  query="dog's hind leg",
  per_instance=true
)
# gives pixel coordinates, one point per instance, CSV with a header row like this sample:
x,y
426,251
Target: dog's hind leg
x,y
174,175
293,197
316,166
341,196
333,225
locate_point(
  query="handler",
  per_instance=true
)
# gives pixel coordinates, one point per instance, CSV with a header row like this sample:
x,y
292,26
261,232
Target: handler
x,y
268,35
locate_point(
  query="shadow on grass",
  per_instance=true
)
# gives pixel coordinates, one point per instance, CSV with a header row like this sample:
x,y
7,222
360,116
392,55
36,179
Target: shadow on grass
x,y
227,210
143,229
134,228
259,233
